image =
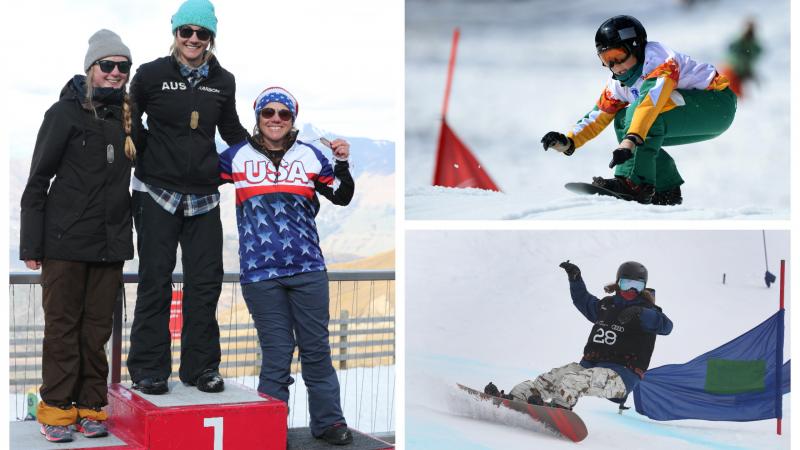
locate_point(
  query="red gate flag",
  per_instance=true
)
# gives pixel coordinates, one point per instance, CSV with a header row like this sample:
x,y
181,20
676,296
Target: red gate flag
x,y
455,165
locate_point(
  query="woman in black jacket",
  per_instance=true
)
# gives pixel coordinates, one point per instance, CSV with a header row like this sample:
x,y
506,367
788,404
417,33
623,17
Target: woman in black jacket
x,y
186,96
78,231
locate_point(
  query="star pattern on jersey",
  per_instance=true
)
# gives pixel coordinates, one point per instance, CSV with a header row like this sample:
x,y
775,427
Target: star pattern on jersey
x,y
277,237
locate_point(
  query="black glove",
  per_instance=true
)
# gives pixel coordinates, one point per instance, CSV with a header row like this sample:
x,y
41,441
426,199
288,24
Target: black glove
x,y
573,272
628,314
620,156
558,142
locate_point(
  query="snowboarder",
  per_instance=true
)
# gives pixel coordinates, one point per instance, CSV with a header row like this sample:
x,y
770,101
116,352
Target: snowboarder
x,y
655,97
618,350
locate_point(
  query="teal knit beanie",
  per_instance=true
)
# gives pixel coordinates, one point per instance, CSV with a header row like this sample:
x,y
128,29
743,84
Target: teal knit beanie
x,y
195,12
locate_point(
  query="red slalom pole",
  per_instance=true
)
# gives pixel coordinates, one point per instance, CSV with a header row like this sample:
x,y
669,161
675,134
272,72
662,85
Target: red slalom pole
x,y
450,69
780,335
783,268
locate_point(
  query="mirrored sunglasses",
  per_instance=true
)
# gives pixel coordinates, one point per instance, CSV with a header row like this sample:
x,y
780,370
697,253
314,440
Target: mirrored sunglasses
x,y
186,32
613,56
626,284
283,114
108,66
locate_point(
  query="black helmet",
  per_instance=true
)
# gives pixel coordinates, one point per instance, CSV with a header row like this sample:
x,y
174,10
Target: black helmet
x,y
621,31
632,270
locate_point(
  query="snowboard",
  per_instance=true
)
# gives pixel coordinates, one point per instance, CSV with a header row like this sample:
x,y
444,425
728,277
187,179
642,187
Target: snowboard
x,y
590,189
562,421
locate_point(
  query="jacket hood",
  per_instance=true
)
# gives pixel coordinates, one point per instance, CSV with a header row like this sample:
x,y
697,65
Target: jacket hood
x,y
75,89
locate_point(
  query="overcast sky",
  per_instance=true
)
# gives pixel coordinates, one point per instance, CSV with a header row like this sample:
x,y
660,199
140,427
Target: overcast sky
x,y
342,59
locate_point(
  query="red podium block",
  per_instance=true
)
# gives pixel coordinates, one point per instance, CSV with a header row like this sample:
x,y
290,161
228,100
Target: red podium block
x,y
188,419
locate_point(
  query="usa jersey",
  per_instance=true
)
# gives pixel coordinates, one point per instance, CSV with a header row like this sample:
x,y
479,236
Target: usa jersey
x,y
276,206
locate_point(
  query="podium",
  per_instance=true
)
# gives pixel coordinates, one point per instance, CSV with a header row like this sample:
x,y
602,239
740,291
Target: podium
x,y
185,418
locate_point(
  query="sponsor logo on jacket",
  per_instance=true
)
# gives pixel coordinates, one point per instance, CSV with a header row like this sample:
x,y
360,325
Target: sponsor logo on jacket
x,y
208,89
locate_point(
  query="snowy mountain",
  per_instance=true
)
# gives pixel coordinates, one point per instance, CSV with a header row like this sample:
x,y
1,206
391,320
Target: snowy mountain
x,y
494,306
528,67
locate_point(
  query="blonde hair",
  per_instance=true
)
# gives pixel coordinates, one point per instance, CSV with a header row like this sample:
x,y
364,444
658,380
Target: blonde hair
x,y
127,126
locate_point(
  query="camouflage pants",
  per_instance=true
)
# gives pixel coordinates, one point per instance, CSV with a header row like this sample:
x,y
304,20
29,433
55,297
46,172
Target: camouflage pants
x,y
564,385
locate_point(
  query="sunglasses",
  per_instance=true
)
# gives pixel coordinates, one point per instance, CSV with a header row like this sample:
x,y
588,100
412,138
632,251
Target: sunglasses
x,y
108,66
613,56
626,284
283,114
187,32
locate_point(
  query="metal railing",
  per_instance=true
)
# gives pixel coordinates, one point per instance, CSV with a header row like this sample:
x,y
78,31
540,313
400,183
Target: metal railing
x,y
361,333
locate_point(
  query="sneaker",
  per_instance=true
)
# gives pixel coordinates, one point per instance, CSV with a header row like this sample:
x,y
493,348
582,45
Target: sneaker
x,y
151,386
670,197
92,428
56,433
337,434
209,381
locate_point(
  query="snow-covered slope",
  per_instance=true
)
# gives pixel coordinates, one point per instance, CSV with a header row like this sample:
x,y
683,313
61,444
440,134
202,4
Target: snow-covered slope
x,y
495,306
528,67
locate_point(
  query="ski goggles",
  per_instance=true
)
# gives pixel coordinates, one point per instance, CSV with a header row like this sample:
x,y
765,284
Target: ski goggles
x,y
186,32
107,66
626,284
613,56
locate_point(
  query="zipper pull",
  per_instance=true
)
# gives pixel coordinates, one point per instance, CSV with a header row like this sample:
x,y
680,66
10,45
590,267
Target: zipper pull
x,y
194,120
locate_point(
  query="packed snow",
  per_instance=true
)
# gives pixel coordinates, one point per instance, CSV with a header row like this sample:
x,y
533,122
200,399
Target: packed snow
x,y
494,306
528,67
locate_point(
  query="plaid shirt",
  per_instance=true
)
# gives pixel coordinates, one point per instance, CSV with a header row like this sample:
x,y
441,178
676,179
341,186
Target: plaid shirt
x,y
194,74
189,204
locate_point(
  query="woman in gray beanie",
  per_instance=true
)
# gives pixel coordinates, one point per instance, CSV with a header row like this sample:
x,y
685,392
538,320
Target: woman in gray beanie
x,y
187,96
78,231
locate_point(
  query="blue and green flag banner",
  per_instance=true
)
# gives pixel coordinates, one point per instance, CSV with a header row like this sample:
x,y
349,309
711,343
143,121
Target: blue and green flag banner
x,y
742,380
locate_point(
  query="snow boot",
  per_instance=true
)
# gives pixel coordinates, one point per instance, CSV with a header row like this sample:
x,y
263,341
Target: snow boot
x,y
535,398
492,390
669,197
642,193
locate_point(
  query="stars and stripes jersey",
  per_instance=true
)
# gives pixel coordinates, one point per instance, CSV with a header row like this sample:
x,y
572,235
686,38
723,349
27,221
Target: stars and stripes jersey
x,y
276,207
655,91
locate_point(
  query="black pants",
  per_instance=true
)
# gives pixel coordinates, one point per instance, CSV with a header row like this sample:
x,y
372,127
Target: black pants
x,y
78,300
200,238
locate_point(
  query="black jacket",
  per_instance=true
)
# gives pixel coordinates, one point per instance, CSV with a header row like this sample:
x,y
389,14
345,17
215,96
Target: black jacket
x,y
627,344
172,154
85,215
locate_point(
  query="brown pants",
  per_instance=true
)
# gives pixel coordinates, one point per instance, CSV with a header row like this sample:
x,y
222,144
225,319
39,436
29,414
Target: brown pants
x,y
78,300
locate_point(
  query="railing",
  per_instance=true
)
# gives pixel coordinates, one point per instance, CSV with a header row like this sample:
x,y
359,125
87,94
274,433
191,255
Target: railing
x,y
361,329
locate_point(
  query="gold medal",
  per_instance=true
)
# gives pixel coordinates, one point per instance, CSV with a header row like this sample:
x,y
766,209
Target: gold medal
x,y
195,119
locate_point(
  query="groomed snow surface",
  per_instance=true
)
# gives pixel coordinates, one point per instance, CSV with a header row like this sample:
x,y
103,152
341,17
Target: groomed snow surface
x,y
528,67
495,306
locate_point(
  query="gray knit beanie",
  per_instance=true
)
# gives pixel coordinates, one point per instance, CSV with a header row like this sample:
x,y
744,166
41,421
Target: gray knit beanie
x,y
105,43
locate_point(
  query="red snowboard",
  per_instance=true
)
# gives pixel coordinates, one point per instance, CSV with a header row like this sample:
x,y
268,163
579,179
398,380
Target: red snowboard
x,y
562,421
